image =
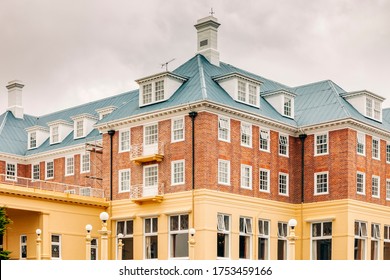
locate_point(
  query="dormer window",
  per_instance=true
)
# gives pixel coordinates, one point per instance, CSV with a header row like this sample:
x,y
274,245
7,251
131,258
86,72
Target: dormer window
x,y
367,103
282,100
36,136
83,125
241,88
104,112
158,87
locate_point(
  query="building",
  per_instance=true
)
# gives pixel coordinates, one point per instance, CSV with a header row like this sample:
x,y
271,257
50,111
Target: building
x,y
208,147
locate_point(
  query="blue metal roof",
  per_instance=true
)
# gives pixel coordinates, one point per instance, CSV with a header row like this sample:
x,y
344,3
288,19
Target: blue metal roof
x,y
315,103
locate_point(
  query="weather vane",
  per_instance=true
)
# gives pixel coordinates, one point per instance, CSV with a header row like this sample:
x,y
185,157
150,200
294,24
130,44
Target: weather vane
x,y
212,12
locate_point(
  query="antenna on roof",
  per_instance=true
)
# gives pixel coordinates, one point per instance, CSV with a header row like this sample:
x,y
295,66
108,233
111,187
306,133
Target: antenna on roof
x,y
166,64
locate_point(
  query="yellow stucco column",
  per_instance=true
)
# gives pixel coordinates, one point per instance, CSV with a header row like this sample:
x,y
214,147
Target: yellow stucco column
x,y
39,244
191,243
291,239
104,236
45,236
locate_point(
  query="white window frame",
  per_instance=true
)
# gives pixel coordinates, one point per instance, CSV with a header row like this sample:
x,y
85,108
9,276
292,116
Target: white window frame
x,y
282,235
221,173
152,233
388,152
84,162
124,186
246,131
283,143
175,128
387,189
264,233
378,157
174,173
152,96
287,183
146,167
360,140
223,127
46,170
363,183
264,135
375,238
246,95
243,177
79,130
288,106
378,179
33,171
124,140
149,137
23,246
266,171
362,235
127,234
11,175
55,243
69,165
320,236
54,134
178,231
316,183
317,144
221,229
247,232
32,138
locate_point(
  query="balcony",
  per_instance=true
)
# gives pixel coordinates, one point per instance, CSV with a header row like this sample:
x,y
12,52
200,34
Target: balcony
x,y
143,153
51,186
141,193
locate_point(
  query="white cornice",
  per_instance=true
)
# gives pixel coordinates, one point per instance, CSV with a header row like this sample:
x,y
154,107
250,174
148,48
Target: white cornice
x,y
37,127
236,75
84,115
161,75
60,121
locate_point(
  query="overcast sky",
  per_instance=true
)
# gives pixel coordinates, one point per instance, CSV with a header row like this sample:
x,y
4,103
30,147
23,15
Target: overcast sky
x,y
71,52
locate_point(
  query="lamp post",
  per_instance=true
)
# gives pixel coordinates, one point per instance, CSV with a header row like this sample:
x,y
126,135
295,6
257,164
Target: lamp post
x,y
292,223
88,240
192,243
120,246
39,242
104,235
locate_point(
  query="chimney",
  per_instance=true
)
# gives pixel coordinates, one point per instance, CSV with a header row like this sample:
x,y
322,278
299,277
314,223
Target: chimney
x,y
15,98
207,38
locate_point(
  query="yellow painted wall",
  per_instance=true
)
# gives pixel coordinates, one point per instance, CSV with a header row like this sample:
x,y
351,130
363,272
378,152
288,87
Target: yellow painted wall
x,y
53,215
68,216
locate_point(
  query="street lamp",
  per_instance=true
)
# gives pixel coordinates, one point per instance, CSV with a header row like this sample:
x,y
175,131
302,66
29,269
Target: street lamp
x,y
104,235
292,223
39,241
88,240
120,246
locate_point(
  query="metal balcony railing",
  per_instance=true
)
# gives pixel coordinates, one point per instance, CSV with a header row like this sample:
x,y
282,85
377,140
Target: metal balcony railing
x,y
51,186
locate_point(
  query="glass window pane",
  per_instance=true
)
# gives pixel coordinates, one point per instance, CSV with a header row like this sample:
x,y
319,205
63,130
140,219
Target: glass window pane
x,y
327,231
183,222
174,222
129,227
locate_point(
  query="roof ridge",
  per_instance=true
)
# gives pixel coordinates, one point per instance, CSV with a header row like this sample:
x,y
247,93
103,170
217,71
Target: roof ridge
x,y
3,122
202,79
331,84
312,83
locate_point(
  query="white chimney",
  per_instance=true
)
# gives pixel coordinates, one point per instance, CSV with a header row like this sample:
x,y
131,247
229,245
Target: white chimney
x,y
207,38
15,98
